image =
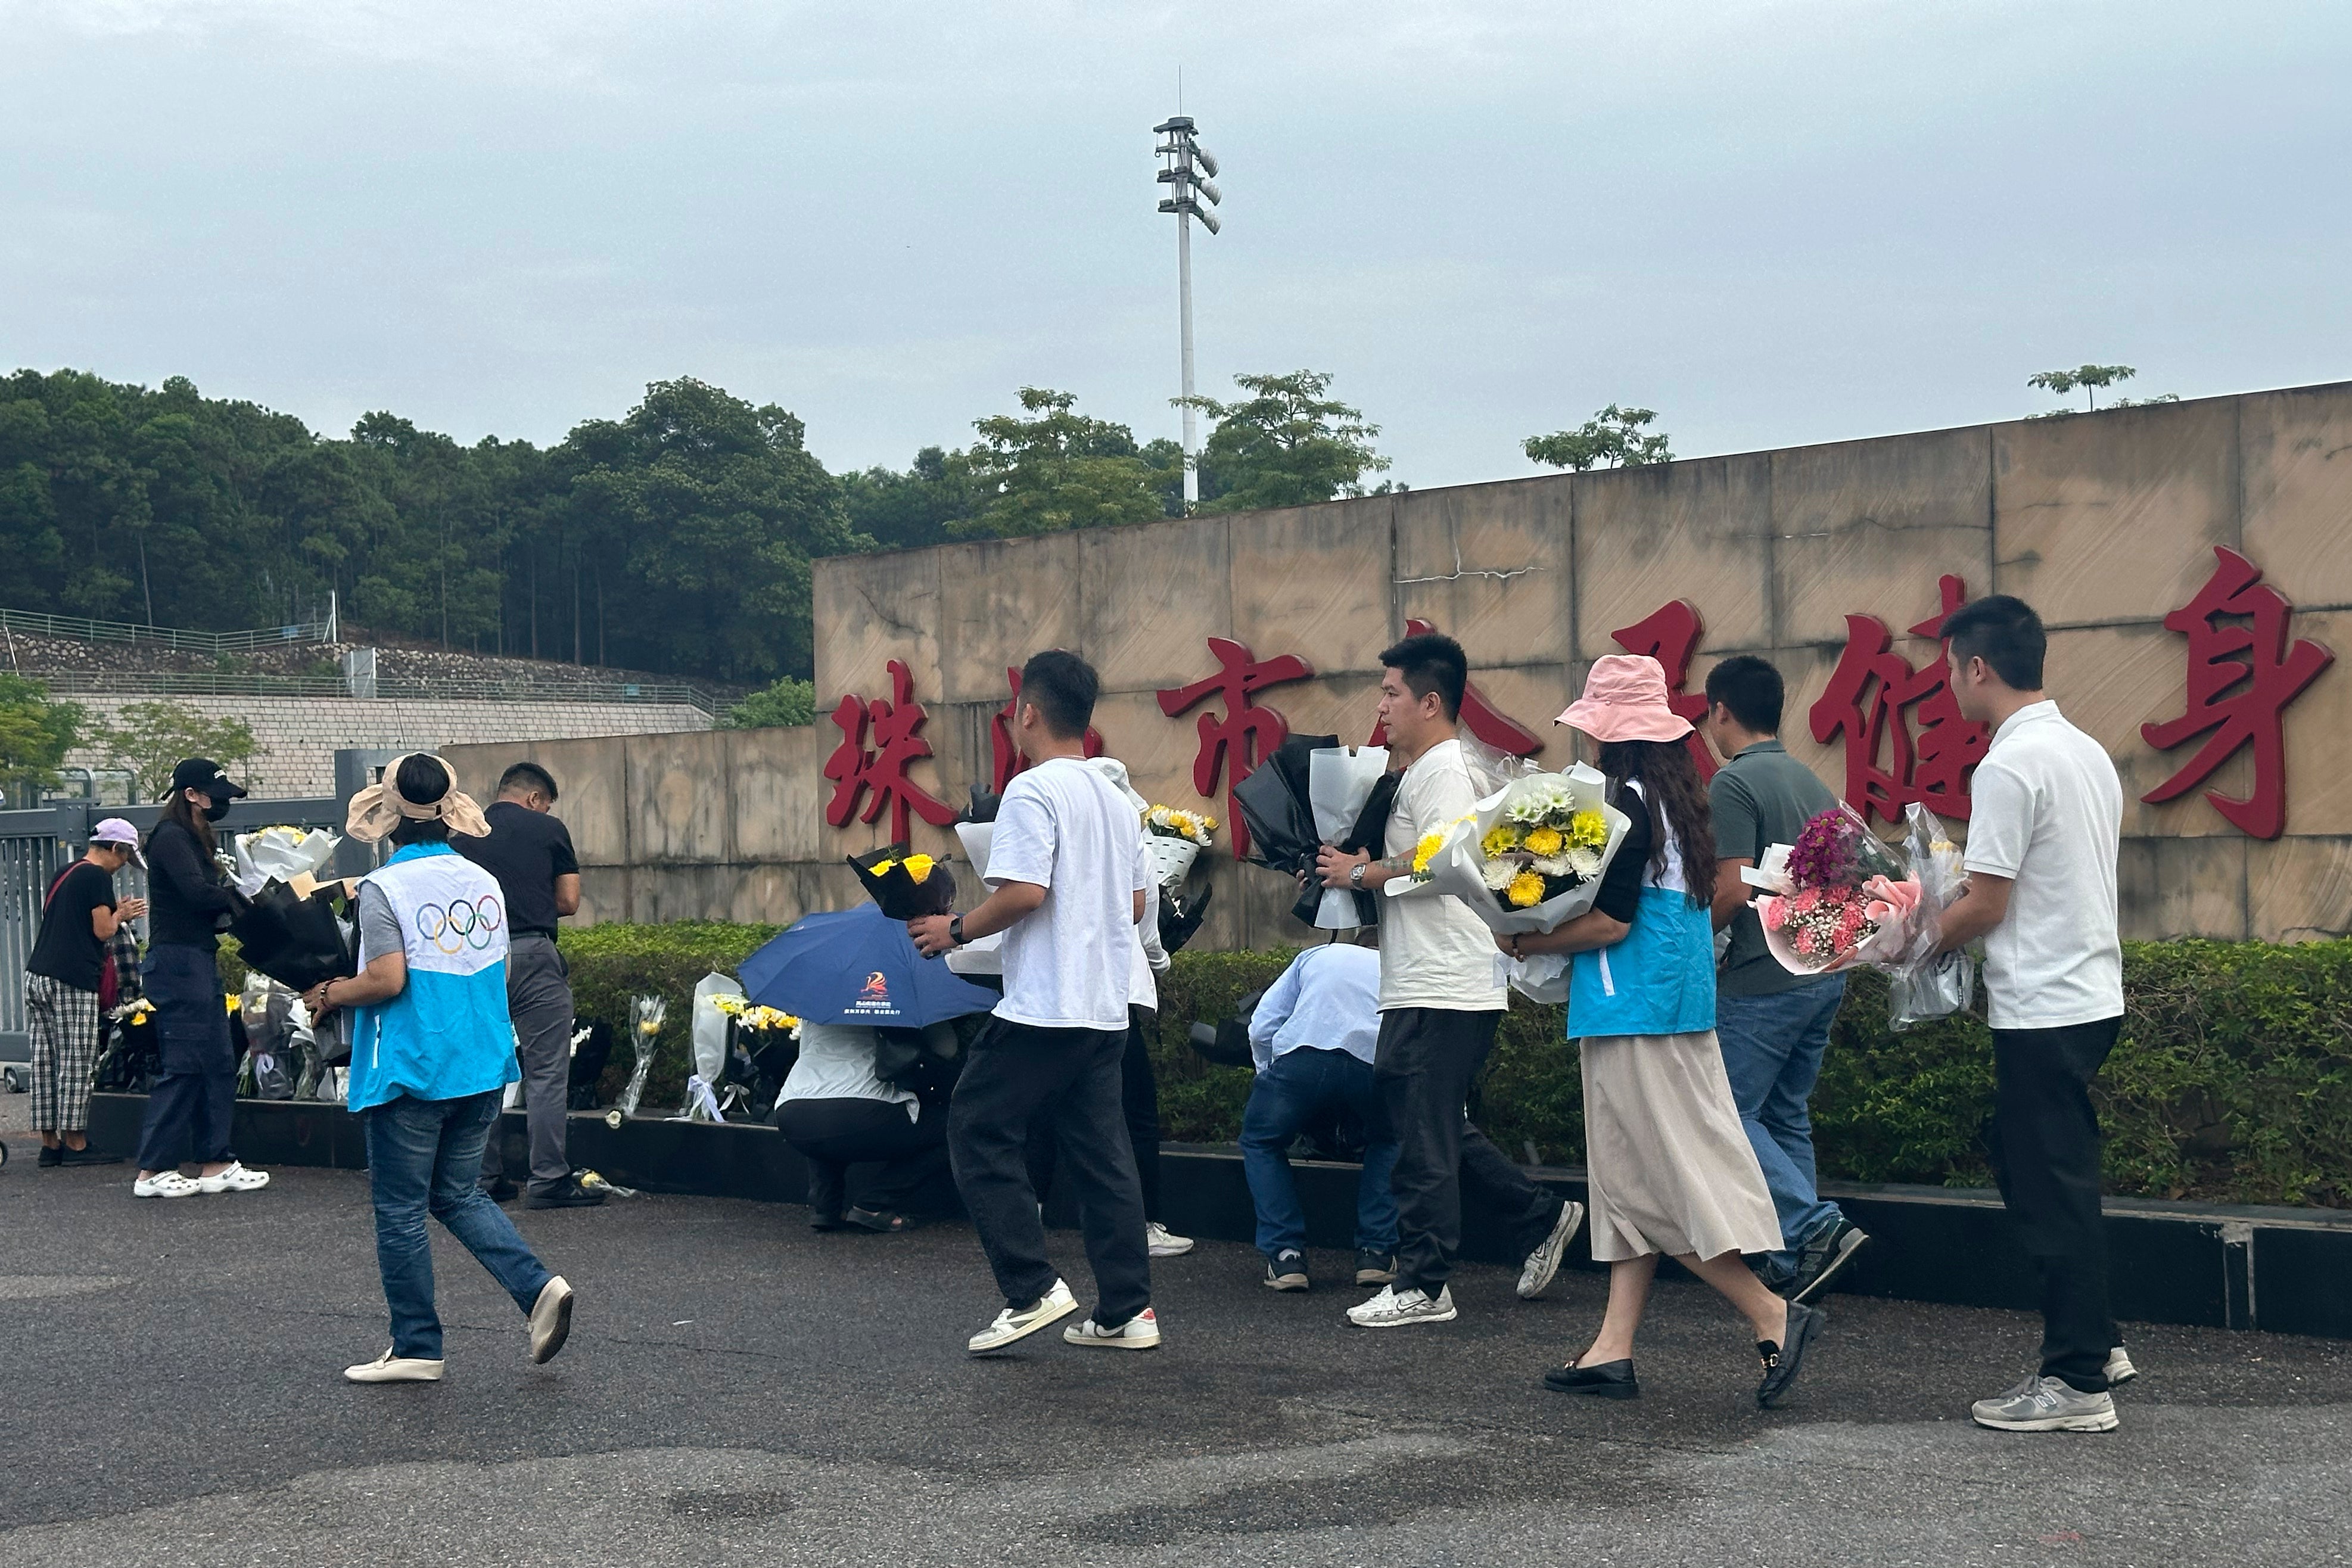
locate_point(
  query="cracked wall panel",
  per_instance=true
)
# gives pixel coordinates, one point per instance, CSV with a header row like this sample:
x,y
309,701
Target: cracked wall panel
x,y
1314,581
871,609
1866,527
2297,451
1002,600
2112,518
1150,596
1488,565
1695,530
779,790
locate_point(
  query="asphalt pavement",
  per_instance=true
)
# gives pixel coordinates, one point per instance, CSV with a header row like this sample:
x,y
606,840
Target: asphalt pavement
x,y
741,1390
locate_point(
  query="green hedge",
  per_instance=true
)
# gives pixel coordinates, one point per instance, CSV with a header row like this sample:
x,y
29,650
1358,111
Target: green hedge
x,y
2233,1081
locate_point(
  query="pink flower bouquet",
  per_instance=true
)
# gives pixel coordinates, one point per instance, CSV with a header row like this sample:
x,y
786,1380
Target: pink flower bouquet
x,y
1839,896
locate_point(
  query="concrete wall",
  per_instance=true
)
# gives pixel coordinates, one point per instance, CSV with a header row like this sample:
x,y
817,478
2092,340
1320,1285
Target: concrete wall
x,y
2105,523
300,734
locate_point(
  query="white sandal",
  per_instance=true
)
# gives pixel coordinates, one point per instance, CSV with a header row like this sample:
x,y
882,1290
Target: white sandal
x,y
164,1184
235,1178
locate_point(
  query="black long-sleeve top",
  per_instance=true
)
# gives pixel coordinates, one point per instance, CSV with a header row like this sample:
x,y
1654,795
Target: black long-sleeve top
x,y
187,897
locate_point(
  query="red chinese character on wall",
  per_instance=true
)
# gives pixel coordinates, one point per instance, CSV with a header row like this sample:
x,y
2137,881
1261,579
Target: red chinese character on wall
x,y
1876,700
878,774
1006,763
1671,636
2242,676
1245,734
1479,716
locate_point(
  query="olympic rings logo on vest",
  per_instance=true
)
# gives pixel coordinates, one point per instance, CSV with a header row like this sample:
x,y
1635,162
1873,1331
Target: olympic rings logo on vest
x,y
461,923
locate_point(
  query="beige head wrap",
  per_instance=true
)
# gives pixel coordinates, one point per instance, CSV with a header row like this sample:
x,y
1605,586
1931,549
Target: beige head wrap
x,y
376,810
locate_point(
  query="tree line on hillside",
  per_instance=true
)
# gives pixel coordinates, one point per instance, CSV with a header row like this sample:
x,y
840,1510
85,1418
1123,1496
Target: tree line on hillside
x,y
676,538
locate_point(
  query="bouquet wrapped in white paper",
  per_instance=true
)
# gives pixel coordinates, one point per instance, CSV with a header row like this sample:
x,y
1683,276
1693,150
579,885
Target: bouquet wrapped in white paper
x,y
985,955
1340,781
284,853
1172,841
1530,856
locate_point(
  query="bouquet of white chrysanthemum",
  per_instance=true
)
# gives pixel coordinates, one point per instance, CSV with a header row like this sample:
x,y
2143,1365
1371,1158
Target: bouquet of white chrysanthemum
x,y
1172,839
1531,855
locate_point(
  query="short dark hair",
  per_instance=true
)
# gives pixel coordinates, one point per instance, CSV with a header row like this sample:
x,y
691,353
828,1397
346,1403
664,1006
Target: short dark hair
x,y
1431,661
1752,689
1062,687
530,776
423,779
2005,633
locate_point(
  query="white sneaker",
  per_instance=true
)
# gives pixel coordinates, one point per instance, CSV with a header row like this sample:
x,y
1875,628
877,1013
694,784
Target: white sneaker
x,y
2119,1368
164,1184
1010,1325
235,1178
551,1321
1395,1308
1543,1264
1140,1332
1159,1243
390,1368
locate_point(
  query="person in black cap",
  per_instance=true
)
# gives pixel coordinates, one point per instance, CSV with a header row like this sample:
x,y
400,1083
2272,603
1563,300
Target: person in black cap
x,y
189,1111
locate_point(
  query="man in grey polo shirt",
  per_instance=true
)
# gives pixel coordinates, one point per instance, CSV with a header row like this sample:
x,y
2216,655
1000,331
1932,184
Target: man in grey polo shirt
x,y
2044,830
1773,1026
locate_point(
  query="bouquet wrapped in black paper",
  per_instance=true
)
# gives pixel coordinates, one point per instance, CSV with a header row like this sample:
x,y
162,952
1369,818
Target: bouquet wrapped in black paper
x,y
908,886
1277,800
295,941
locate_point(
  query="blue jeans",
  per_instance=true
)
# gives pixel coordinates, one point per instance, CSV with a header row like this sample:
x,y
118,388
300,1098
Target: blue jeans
x,y
1772,1049
1301,1085
425,1156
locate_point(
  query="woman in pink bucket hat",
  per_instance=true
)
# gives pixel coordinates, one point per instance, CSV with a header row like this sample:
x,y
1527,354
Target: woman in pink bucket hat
x,y
1672,1171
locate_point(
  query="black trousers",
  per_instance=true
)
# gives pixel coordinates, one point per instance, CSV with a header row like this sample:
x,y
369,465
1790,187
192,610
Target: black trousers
x,y
1015,1069
1424,1066
2045,1156
832,1135
192,1104
1138,1103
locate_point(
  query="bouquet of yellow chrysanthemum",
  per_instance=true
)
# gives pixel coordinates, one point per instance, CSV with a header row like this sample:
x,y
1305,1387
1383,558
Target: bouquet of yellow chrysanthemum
x,y
906,886
1172,839
1531,855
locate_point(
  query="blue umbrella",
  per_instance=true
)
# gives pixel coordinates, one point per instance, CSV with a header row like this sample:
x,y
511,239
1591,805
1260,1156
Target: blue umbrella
x,y
858,966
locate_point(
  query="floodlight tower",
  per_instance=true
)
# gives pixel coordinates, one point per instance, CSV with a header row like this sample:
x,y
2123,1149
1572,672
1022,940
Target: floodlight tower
x,y
1189,173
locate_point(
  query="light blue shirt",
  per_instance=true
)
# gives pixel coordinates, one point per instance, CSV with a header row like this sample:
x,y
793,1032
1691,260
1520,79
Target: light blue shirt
x,y
1329,998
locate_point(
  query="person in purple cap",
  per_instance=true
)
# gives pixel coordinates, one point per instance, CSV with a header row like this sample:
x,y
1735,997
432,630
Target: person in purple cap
x,y
1671,1169
62,978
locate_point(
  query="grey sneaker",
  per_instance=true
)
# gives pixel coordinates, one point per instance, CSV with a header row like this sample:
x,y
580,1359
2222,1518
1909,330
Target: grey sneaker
x,y
2119,1368
1822,1258
1543,1264
2045,1405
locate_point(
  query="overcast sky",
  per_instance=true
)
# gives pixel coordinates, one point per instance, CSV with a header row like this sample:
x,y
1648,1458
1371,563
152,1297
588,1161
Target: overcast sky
x,y
1773,222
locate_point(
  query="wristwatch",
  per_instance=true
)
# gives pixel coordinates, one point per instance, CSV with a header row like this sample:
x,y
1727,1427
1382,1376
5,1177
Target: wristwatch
x,y
955,930
1356,875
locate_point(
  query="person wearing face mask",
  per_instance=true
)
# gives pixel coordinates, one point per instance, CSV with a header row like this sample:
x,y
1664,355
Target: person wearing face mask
x,y
190,1109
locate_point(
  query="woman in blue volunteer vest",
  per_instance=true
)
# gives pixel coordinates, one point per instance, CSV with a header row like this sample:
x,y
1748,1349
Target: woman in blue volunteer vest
x,y
431,1053
1672,1172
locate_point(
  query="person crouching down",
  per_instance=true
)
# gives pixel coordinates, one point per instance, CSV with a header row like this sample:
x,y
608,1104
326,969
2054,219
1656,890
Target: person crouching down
x,y
1311,1040
836,1112
431,1053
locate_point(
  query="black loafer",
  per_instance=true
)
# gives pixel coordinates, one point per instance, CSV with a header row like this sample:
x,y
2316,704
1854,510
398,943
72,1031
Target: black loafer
x,y
1782,1361
1607,1380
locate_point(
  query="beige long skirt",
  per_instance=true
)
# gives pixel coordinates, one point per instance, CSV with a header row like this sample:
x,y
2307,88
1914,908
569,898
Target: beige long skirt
x,y
1670,1165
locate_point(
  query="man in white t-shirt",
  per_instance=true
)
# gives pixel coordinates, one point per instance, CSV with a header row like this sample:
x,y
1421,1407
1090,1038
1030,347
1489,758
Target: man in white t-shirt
x,y
1066,864
2046,815
1443,992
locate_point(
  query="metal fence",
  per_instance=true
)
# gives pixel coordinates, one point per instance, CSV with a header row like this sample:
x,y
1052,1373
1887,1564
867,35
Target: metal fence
x,y
81,630
190,683
34,845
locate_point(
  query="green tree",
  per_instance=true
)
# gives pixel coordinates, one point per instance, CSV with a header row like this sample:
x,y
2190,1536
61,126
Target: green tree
x,y
150,737
2089,377
1612,439
1284,444
1056,470
790,701
35,733
912,510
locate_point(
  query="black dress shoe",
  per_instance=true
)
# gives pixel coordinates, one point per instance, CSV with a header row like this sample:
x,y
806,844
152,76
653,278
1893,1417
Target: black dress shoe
x,y
1782,1361
1609,1380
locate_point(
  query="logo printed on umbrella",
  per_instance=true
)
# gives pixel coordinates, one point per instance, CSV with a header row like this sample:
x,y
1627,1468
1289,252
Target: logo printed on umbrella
x,y
876,989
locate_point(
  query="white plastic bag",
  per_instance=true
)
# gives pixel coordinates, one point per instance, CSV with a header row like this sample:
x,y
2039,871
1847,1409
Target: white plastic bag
x,y
1924,984
644,1038
985,956
1340,780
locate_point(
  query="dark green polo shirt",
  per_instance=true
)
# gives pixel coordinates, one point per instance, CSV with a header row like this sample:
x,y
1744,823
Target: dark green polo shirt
x,y
1760,797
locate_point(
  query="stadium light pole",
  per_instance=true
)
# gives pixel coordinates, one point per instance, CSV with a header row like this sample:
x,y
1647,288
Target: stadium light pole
x,y
1189,173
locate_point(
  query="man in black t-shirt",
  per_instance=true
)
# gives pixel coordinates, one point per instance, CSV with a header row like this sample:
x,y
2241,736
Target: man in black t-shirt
x,y
62,976
530,852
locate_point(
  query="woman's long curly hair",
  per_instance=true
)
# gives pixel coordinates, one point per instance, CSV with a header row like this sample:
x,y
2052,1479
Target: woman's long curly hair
x,y
1676,797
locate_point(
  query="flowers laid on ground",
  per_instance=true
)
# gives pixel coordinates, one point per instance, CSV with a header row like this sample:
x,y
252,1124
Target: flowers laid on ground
x,y
1168,822
1531,855
1839,896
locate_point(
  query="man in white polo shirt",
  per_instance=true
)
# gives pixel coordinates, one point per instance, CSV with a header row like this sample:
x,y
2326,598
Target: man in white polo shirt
x,y
2046,816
